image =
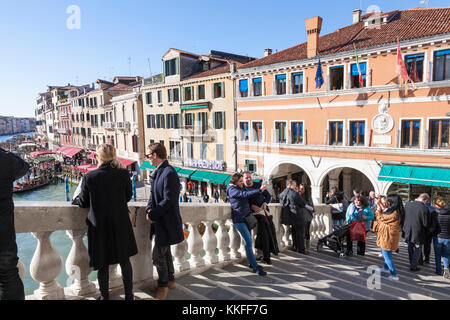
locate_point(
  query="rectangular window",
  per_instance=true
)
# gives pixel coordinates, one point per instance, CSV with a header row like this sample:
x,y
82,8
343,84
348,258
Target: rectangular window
x,y
219,152
280,84
176,95
188,94
148,98
414,66
159,96
243,131
243,87
280,132
336,133
357,133
355,81
439,133
148,121
175,149
219,120
219,90
250,165
188,120
190,150
297,82
203,151
160,121
337,78
202,122
201,91
442,65
257,87
169,95
297,132
410,134
257,130
170,67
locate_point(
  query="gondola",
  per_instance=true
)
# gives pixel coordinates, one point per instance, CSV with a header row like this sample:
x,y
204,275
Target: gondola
x,y
19,188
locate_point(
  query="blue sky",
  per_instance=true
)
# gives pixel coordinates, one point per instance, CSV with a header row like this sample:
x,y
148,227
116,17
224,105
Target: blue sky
x,y
39,50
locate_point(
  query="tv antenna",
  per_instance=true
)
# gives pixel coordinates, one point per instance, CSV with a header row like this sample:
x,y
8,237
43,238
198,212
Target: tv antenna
x,y
149,66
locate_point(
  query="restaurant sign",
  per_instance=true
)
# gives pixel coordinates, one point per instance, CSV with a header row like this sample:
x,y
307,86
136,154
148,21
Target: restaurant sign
x,y
204,164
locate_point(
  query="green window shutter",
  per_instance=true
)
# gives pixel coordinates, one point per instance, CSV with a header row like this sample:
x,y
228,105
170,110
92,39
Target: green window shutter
x,y
192,93
214,120
223,120
223,89
212,90
177,65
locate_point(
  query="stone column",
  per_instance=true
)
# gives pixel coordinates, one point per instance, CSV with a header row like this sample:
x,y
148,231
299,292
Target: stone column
x,y
333,179
347,177
46,265
316,194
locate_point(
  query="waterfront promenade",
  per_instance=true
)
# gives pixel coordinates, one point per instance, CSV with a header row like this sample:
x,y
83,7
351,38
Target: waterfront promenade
x,y
213,266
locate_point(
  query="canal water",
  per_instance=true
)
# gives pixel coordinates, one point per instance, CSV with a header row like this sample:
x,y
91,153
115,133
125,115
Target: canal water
x,y
27,243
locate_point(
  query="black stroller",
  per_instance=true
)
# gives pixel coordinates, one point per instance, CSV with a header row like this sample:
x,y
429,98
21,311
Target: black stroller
x,y
336,240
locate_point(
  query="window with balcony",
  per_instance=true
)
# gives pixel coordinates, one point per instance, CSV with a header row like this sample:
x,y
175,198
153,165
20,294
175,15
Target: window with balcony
x,y
203,151
439,133
175,149
410,134
202,122
190,150
414,66
335,133
354,75
257,86
257,131
441,65
243,87
135,143
280,132
297,82
219,152
357,133
201,92
219,120
280,84
250,165
148,98
171,67
297,132
219,90
188,94
160,121
189,120
336,78
243,131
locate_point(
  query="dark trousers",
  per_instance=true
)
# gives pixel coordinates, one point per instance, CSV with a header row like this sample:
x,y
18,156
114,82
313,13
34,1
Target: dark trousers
x,y
307,233
414,253
11,286
361,246
127,277
426,247
162,259
298,237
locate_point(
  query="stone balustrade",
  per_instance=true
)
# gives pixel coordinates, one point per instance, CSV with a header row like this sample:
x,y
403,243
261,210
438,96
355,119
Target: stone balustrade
x,y
220,243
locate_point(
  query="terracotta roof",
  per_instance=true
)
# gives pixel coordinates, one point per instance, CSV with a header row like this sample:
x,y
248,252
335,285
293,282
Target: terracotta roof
x,y
406,25
225,68
119,87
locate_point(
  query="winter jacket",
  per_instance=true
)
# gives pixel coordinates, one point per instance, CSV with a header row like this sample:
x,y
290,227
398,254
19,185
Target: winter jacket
x,y
261,197
387,227
441,223
294,211
417,221
353,211
239,201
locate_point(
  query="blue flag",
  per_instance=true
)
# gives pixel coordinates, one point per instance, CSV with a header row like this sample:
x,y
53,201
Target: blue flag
x,y
319,76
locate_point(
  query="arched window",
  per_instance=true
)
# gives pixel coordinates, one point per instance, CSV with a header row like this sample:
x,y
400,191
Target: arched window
x,y
123,113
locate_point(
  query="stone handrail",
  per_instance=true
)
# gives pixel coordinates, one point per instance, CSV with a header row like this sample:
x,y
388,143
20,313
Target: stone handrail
x,y
43,218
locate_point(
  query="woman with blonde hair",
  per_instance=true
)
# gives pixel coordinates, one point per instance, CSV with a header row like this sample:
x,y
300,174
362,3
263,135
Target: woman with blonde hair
x,y
106,192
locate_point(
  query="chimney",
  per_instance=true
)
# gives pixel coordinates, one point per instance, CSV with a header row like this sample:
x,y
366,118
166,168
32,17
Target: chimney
x,y
233,67
357,16
267,52
313,27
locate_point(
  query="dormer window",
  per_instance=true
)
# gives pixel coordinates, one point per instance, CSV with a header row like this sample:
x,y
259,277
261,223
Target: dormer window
x,y
171,67
205,65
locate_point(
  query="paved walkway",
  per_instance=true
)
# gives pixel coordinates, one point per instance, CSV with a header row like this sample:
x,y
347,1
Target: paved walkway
x,y
318,276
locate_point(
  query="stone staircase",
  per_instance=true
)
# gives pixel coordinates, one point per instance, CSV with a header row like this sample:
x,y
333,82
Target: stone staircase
x,y
318,276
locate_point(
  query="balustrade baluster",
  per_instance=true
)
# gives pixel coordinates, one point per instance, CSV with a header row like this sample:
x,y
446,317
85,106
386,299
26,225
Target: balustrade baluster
x,y
210,243
77,266
195,245
313,231
46,265
223,241
179,252
22,270
115,276
235,242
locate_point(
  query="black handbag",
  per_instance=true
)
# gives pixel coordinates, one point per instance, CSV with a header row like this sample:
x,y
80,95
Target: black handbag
x,y
250,221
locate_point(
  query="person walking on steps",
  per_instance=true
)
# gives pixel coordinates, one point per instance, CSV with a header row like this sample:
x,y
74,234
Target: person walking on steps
x,y
441,236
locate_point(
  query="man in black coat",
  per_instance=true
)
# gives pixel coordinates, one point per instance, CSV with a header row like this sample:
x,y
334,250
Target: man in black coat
x,y
293,214
417,221
163,212
11,169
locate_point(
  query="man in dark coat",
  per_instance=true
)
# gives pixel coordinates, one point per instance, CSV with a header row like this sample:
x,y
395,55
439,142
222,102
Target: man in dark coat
x,y
265,237
417,221
11,169
163,212
293,214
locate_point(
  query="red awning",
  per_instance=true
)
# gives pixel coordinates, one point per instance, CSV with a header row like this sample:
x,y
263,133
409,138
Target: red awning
x,y
126,162
40,153
69,152
87,168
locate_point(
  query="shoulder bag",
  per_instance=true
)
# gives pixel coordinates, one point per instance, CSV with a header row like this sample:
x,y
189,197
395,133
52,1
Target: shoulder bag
x,y
250,221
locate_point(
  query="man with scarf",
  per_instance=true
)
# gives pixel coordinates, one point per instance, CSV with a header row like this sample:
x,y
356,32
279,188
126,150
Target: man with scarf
x,y
163,213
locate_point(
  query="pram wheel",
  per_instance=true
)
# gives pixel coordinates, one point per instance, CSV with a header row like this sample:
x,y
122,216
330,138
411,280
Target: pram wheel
x,y
319,246
342,255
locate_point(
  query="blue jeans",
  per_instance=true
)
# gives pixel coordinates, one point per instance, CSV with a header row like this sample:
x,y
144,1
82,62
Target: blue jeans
x,y
441,249
247,237
389,262
341,223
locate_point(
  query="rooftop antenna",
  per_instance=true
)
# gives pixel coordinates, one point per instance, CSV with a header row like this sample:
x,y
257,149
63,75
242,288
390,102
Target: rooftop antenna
x,y
129,65
149,66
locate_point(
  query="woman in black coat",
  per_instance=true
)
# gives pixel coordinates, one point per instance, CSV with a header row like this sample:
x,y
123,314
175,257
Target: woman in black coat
x,y
106,192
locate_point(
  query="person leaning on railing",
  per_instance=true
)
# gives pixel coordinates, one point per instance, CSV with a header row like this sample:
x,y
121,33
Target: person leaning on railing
x,y
239,201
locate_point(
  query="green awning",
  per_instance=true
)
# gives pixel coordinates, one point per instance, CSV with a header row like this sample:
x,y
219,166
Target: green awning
x,y
147,166
40,160
227,181
193,107
257,180
185,173
177,168
211,177
415,175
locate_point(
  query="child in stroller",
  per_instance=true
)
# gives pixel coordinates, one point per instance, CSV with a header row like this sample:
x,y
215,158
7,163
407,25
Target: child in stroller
x,y
336,240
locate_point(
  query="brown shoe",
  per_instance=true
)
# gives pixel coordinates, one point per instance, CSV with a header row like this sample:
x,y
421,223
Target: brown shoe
x,y
171,285
161,294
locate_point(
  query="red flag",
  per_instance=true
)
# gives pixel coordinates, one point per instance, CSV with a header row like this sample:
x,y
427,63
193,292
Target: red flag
x,y
402,71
